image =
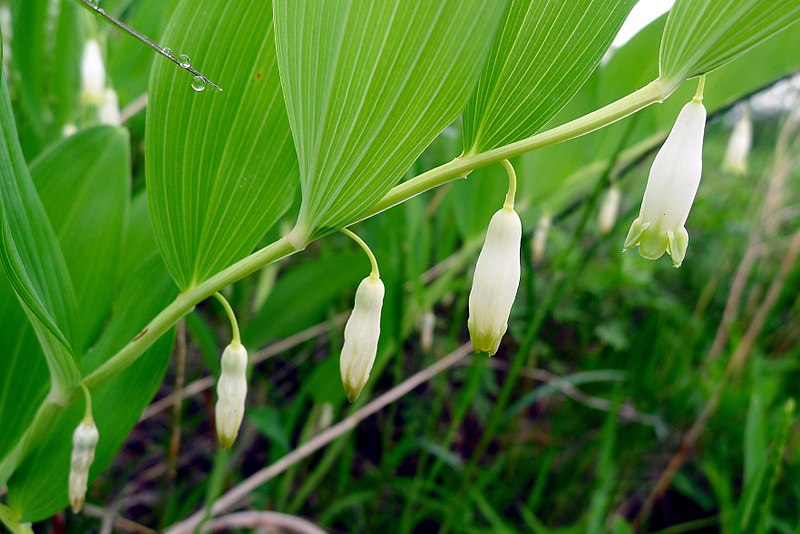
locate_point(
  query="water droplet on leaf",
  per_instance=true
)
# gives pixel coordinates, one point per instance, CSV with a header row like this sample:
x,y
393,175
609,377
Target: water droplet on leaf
x,y
198,84
167,51
185,60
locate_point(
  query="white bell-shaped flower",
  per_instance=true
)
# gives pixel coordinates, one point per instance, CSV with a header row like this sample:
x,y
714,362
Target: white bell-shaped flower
x,y
84,442
671,188
361,335
231,393
93,75
609,210
739,144
496,280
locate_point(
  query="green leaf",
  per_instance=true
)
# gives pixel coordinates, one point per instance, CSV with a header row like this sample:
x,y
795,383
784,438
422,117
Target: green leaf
x,y
32,258
221,167
38,488
368,86
702,35
541,57
90,173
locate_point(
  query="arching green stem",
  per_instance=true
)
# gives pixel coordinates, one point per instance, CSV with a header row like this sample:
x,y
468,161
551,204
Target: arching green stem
x,y
701,85
88,418
375,273
512,184
236,338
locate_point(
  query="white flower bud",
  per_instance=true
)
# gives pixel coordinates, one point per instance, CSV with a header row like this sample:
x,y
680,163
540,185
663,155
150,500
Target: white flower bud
x,y
361,335
231,393
84,441
496,281
427,325
109,111
93,75
739,145
539,242
609,210
5,28
69,130
671,188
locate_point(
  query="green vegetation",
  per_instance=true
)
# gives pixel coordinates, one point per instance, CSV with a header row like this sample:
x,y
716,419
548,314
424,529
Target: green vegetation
x,y
625,396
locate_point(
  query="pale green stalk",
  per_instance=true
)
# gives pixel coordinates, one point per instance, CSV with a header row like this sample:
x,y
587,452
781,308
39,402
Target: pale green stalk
x,y
236,338
352,235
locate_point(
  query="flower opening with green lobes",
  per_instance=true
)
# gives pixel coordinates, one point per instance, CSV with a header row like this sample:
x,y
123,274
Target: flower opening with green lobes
x,y
671,188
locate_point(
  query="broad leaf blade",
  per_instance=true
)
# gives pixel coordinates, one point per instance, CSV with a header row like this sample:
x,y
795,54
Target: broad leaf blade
x,y
221,167
542,55
702,35
38,488
32,258
82,180
368,86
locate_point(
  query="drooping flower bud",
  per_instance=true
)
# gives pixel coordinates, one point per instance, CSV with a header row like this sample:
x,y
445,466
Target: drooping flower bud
x,y
671,188
93,75
361,335
427,325
739,145
84,441
7,31
109,111
231,393
609,210
496,280
539,243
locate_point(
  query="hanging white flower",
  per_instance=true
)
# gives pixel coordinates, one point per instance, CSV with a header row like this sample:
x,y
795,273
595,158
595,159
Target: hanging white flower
x,y
93,75
84,441
361,335
109,111
609,210
739,144
231,393
496,281
539,243
671,188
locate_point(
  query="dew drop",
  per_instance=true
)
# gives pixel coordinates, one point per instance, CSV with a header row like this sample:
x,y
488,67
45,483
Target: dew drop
x,y
94,2
167,51
199,84
185,60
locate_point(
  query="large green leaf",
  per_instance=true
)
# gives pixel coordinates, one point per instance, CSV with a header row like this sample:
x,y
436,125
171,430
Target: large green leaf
x,y
89,173
702,35
79,179
32,258
221,167
368,86
542,55
38,488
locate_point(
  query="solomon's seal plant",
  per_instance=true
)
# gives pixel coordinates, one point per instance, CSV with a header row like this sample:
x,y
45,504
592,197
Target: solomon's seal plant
x,y
328,112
